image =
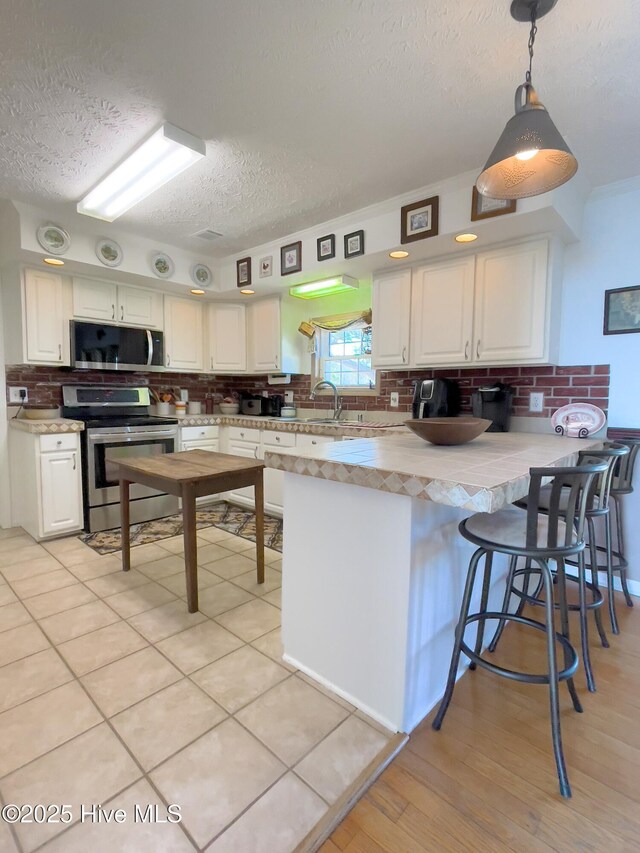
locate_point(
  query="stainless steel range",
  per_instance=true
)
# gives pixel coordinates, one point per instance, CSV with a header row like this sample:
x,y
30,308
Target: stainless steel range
x,y
118,426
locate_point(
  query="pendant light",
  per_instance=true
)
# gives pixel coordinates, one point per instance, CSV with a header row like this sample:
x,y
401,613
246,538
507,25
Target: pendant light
x,y
531,157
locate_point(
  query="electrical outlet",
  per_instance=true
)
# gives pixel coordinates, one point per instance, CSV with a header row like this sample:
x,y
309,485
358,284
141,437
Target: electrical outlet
x,y
18,395
288,396
394,399
536,401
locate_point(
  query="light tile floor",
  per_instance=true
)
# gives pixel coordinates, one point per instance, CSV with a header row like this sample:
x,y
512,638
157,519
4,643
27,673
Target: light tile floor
x,y
112,694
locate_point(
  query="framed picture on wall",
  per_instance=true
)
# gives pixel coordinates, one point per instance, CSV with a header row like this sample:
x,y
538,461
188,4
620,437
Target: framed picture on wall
x,y
483,207
354,244
243,272
622,311
326,247
419,220
291,258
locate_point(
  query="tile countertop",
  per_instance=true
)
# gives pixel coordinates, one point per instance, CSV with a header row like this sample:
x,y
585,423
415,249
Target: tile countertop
x,y
339,429
53,425
483,475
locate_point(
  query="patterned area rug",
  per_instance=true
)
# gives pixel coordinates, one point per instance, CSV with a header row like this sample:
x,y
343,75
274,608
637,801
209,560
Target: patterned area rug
x,y
241,522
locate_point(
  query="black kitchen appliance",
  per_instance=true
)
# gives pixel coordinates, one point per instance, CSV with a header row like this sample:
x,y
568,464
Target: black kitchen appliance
x,y
274,405
101,346
436,398
494,403
250,404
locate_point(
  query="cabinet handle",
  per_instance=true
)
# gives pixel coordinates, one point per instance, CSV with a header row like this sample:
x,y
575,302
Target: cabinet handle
x,y
314,442
255,453
122,312
113,312
404,355
74,461
466,351
211,362
478,349
241,435
59,352
168,360
59,443
275,361
277,438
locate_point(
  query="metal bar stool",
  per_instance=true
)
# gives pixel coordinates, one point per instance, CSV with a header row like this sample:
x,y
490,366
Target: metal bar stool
x,y
622,485
597,507
526,533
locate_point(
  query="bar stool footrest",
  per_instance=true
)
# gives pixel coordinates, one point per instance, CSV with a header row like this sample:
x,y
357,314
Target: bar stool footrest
x,y
514,675
622,562
598,598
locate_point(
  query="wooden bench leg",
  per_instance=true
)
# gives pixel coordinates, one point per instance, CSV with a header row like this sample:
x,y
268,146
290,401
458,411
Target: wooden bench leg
x,y
190,546
124,525
259,500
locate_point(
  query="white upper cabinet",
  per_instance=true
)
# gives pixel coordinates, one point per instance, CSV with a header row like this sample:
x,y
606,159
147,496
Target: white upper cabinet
x,y
44,319
265,345
139,307
110,303
183,334
442,313
227,338
512,290
391,319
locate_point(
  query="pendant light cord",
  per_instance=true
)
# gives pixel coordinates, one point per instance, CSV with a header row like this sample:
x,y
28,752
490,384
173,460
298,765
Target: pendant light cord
x,y
532,38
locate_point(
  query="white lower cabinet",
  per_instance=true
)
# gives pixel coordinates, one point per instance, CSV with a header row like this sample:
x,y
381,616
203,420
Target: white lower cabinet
x,y
202,438
245,442
46,483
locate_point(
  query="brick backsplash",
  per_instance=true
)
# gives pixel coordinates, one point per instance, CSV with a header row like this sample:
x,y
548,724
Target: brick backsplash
x,y
560,385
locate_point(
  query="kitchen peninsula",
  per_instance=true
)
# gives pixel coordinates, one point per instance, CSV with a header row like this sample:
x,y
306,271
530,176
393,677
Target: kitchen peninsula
x,y
373,563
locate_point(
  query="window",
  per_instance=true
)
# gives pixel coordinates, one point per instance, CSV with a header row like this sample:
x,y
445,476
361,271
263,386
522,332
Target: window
x,y
344,357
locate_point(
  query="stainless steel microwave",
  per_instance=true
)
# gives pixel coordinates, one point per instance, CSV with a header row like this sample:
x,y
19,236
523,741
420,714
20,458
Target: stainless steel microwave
x,y
100,346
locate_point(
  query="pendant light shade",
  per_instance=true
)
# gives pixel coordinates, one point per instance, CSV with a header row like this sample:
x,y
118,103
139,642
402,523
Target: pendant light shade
x,y
531,157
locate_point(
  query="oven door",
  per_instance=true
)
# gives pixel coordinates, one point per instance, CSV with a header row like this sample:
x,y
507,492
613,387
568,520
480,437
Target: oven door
x,y
106,447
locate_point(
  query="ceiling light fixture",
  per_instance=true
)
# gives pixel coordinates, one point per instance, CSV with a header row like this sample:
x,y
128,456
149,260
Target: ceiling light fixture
x,y
324,287
531,157
53,262
398,254
465,238
196,291
166,153
247,292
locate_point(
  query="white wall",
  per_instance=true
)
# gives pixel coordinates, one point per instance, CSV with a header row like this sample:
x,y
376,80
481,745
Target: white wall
x,y
607,256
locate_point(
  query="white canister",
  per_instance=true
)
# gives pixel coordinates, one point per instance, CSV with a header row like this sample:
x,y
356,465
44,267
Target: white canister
x,y
287,412
194,407
163,409
181,409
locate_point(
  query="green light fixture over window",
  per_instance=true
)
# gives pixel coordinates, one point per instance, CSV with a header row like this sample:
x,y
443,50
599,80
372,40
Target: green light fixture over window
x,y
324,287
531,157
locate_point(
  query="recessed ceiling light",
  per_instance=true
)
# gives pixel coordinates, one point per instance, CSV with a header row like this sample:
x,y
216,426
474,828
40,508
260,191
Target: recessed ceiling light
x,y
53,262
196,291
398,254
247,292
465,238
162,156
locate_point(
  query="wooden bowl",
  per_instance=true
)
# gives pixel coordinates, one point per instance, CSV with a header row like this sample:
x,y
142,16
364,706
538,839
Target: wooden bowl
x,y
448,430
41,413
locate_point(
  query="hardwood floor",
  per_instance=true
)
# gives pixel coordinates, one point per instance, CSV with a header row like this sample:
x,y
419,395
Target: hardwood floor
x,y
486,783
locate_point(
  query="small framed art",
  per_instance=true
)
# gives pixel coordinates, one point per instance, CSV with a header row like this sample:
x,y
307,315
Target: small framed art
x,y
483,207
243,272
419,220
291,258
326,247
622,311
265,267
354,244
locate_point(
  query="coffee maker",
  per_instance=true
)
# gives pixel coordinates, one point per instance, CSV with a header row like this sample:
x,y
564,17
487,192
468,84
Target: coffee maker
x,y
494,403
436,398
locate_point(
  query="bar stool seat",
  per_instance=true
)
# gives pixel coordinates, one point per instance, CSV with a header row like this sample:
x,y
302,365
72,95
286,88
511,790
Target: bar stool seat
x,y
509,527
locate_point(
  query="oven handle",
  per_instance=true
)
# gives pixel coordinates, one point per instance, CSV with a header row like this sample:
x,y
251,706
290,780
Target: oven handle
x,y
149,347
131,436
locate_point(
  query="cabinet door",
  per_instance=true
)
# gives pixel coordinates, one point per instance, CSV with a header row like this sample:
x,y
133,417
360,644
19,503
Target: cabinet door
x,y
511,300
391,313
183,332
44,318
227,338
61,492
94,300
212,445
249,450
442,313
138,307
264,335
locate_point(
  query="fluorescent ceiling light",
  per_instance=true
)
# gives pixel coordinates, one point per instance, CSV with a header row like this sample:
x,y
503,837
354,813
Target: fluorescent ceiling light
x,y
165,154
324,287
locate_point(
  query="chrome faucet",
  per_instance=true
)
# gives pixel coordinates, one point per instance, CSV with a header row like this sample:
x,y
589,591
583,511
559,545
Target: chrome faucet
x,y
337,402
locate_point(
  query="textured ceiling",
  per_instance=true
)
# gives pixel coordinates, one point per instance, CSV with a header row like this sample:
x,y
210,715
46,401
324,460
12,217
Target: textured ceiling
x,y
310,108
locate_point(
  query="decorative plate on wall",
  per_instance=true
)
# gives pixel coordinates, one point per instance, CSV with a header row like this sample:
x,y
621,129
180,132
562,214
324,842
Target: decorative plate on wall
x,y
201,274
578,420
54,239
162,265
109,252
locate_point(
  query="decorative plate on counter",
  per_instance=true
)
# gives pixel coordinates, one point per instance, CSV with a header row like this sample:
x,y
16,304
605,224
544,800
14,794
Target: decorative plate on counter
x,y
578,420
162,265
201,275
54,239
109,252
